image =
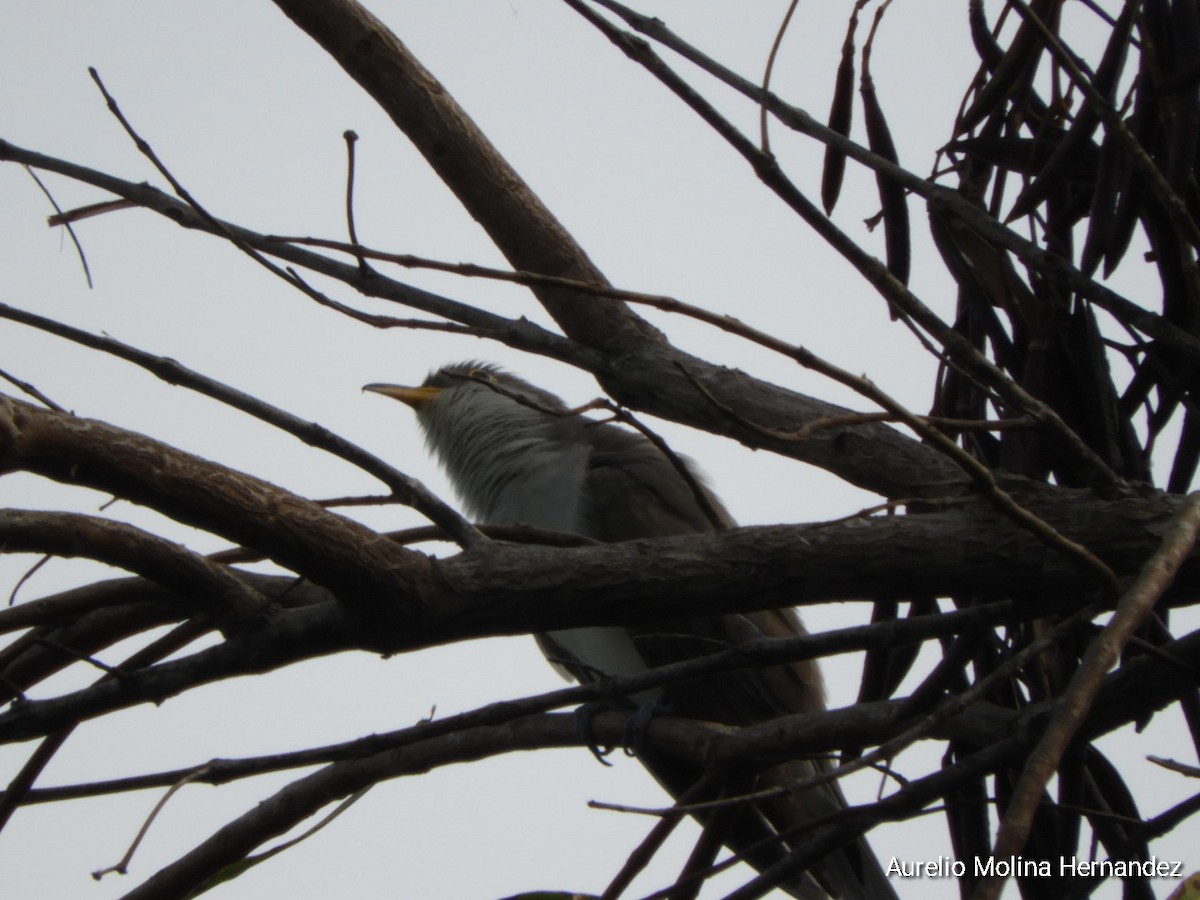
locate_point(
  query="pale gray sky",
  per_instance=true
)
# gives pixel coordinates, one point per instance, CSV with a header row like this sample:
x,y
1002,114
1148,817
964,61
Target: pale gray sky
x,y
248,112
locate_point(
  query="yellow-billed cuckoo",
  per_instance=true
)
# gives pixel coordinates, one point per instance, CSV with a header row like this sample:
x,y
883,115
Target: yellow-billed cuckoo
x,y
516,457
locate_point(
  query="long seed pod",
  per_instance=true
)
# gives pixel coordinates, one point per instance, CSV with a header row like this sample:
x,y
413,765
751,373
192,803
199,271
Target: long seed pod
x,y
841,114
892,198
1125,218
1129,188
1185,118
1102,216
991,54
1012,75
1080,133
985,42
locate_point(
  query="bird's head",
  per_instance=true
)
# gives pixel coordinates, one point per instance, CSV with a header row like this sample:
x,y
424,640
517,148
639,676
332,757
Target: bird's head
x,y
460,394
489,427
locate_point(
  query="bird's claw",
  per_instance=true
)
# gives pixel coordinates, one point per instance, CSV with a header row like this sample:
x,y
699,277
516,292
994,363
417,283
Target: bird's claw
x,y
635,729
583,728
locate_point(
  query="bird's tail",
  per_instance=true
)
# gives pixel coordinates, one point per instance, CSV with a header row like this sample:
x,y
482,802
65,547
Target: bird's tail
x,y
763,834
852,871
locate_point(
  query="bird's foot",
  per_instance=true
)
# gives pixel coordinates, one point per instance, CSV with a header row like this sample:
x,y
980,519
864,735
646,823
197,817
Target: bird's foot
x,y
584,716
635,730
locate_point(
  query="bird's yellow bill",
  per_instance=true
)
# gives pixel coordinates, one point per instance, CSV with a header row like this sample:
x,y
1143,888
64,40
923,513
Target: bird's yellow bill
x,y
416,397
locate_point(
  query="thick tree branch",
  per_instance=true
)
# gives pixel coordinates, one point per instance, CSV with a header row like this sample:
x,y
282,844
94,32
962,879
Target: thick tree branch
x,y
290,638
81,622
331,550
208,586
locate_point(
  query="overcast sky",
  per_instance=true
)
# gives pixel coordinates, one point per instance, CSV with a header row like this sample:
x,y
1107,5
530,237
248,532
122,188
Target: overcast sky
x,y
249,113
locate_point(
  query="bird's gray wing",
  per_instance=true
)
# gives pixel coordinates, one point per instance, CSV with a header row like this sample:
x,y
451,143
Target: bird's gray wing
x,y
632,491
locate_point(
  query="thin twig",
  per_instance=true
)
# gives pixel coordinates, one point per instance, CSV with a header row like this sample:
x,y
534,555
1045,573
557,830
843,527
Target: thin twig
x,y
378,321
31,391
351,138
25,576
653,841
1176,766
704,499
182,192
87,272
122,866
764,141
19,787
79,213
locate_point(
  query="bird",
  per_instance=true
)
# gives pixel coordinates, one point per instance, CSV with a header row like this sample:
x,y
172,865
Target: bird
x,y
518,455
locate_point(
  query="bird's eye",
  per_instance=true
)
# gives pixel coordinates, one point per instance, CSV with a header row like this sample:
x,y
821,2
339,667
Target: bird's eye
x,y
482,375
